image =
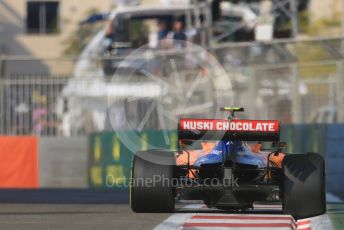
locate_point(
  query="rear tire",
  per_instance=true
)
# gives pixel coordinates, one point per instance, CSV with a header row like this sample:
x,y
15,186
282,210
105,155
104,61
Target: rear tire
x,y
151,183
303,185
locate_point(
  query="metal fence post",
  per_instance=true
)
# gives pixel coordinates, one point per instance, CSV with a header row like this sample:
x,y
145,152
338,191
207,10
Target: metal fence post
x,y
2,66
253,93
340,93
296,106
2,110
294,18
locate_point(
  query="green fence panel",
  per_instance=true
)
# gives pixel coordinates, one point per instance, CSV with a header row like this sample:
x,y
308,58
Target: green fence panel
x,y
110,154
95,162
305,138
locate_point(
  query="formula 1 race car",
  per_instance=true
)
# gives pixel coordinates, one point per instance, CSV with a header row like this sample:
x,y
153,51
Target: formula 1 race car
x,y
229,164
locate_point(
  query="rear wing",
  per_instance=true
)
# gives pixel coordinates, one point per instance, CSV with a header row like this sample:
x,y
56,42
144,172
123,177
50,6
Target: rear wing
x,y
218,129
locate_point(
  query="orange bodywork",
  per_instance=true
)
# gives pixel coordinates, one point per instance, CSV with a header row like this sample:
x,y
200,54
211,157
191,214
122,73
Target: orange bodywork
x,y
277,160
182,159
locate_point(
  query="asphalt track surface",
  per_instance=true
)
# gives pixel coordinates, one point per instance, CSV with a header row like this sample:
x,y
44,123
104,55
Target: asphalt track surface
x,y
77,209
74,217
74,209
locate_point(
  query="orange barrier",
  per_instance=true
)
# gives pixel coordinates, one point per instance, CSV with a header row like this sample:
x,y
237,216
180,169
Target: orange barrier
x,y
18,162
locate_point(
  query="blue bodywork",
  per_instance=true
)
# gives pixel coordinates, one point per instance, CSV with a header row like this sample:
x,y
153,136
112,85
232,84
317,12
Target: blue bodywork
x,y
244,155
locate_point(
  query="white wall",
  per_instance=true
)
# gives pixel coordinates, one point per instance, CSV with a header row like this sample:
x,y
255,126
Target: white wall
x,y
63,162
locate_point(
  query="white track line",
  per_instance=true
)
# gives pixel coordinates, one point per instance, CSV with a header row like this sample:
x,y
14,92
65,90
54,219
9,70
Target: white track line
x,y
220,221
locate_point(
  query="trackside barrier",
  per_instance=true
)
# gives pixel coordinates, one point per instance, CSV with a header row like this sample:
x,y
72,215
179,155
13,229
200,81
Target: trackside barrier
x,y
328,140
335,159
109,160
305,138
19,162
62,162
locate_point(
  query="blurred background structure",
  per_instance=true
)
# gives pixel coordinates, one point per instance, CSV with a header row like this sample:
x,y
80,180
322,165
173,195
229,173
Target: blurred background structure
x,y
59,61
294,81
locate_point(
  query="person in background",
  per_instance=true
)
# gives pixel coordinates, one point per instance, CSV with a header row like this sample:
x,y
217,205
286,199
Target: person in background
x,y
178,35
162,30
39,112
163,33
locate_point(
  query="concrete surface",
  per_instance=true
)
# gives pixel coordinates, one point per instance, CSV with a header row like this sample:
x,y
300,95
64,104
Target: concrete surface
x,y
74,209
